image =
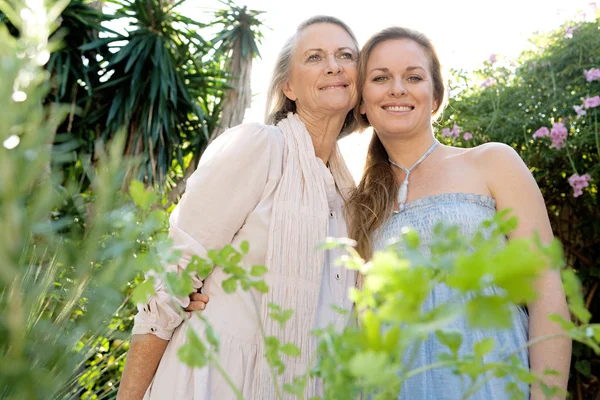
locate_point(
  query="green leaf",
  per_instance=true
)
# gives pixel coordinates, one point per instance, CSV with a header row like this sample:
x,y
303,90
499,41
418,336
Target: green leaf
x,y
141,197
202,268
211,336
258,270
229,285
143,292
261,286
584,367
290,349
489,312
567,325
483,347
193,353
450,338
574,296
516,268
371,367
245,247
512,389
411,238
180,284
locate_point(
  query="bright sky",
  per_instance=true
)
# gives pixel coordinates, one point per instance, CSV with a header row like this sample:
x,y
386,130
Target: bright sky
x,y
465,32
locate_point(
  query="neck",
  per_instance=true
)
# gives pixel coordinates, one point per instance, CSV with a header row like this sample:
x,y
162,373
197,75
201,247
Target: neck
x,y
406,151
324,131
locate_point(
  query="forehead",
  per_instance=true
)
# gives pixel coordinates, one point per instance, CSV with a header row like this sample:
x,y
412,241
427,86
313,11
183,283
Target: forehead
x,y
398,53
324,36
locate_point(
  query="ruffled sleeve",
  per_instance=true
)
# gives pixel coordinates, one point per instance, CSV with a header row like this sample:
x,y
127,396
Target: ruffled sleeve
x,y
219,196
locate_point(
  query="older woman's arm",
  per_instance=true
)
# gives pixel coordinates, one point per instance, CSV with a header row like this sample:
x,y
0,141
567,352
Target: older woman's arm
x,y
226,187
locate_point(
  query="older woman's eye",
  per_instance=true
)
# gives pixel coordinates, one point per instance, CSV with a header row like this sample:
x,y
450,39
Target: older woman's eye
x,y
346,56
313,57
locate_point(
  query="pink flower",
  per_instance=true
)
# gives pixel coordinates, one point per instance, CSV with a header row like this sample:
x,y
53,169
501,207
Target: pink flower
x,y
493,58
591,102
592,74
542,132
532,65
488,82
578,183
467,136
558,134
569,33
455,130
580,111
446,132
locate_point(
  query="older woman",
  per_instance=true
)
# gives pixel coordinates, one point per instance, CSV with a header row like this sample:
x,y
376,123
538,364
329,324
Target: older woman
x,y
281,187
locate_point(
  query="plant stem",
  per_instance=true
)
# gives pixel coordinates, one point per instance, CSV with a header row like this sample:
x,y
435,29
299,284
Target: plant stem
x,y
596,131
535,341
262,332
571,159
223,373
476,386
426,368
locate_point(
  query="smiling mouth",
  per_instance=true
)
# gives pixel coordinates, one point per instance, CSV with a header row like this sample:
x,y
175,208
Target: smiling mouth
x,y
333,87
398,108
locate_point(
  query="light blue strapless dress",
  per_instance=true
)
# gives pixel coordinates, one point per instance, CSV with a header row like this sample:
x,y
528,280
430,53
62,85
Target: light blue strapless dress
x,y
467,211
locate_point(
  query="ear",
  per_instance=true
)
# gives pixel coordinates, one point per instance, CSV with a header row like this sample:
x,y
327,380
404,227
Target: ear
x,y
288,91
435,106
362,108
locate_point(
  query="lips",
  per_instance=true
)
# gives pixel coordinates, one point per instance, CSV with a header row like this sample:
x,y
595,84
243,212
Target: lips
x,y
334,85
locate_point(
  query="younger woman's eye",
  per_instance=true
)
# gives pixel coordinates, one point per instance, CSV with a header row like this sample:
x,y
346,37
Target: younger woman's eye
x,y
415,78
380,78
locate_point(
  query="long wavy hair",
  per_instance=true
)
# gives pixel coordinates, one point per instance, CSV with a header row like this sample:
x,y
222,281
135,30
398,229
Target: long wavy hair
x,y
278,104
372,202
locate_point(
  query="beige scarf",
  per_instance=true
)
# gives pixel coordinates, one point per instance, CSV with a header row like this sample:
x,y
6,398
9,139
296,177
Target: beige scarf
x,y
299,223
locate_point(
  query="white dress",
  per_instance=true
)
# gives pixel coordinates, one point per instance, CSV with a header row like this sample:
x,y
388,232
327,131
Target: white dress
x,y
229,200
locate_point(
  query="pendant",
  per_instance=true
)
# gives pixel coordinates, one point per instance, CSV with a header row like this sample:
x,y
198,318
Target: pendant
x,y
403,192
402,195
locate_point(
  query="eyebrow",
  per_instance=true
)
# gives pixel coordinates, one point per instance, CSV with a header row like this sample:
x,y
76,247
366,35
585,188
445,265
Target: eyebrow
x,y
339,49
386,70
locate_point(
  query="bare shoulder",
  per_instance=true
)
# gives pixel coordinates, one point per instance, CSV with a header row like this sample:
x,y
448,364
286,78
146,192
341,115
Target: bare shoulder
x,y
494,155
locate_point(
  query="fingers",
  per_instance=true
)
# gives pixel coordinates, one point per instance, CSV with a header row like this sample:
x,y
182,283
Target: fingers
x,y
198,302
199,297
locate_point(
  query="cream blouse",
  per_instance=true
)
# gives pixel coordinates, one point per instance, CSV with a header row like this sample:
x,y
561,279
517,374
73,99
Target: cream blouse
x,y
229,200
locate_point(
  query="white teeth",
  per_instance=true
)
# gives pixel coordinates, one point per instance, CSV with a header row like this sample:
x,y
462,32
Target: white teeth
x,y
396,108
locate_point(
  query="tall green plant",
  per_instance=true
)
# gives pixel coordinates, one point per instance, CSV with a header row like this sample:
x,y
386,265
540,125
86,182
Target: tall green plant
x,y
62,274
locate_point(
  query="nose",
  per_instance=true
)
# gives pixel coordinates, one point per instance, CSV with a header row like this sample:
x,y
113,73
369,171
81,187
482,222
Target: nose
x,y
397,88
333,67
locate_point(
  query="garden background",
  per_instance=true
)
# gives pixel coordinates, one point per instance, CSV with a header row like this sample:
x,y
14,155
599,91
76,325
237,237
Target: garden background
x,y
132,93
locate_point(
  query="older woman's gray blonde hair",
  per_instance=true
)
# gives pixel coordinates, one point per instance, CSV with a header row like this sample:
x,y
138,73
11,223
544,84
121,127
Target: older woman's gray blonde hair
x,y
278,105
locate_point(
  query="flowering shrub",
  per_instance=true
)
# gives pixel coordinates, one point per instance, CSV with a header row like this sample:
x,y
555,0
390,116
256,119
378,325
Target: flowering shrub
x,y
545,104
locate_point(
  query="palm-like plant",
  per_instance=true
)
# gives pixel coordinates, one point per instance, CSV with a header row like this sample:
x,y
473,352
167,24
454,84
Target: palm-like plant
x,y
147,84
238,42
235,48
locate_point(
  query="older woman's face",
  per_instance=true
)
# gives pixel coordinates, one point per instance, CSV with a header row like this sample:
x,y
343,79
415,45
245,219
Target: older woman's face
x,y
323,74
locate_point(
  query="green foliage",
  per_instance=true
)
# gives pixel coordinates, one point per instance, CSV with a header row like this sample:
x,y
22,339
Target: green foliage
x,y
540,89
62,274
